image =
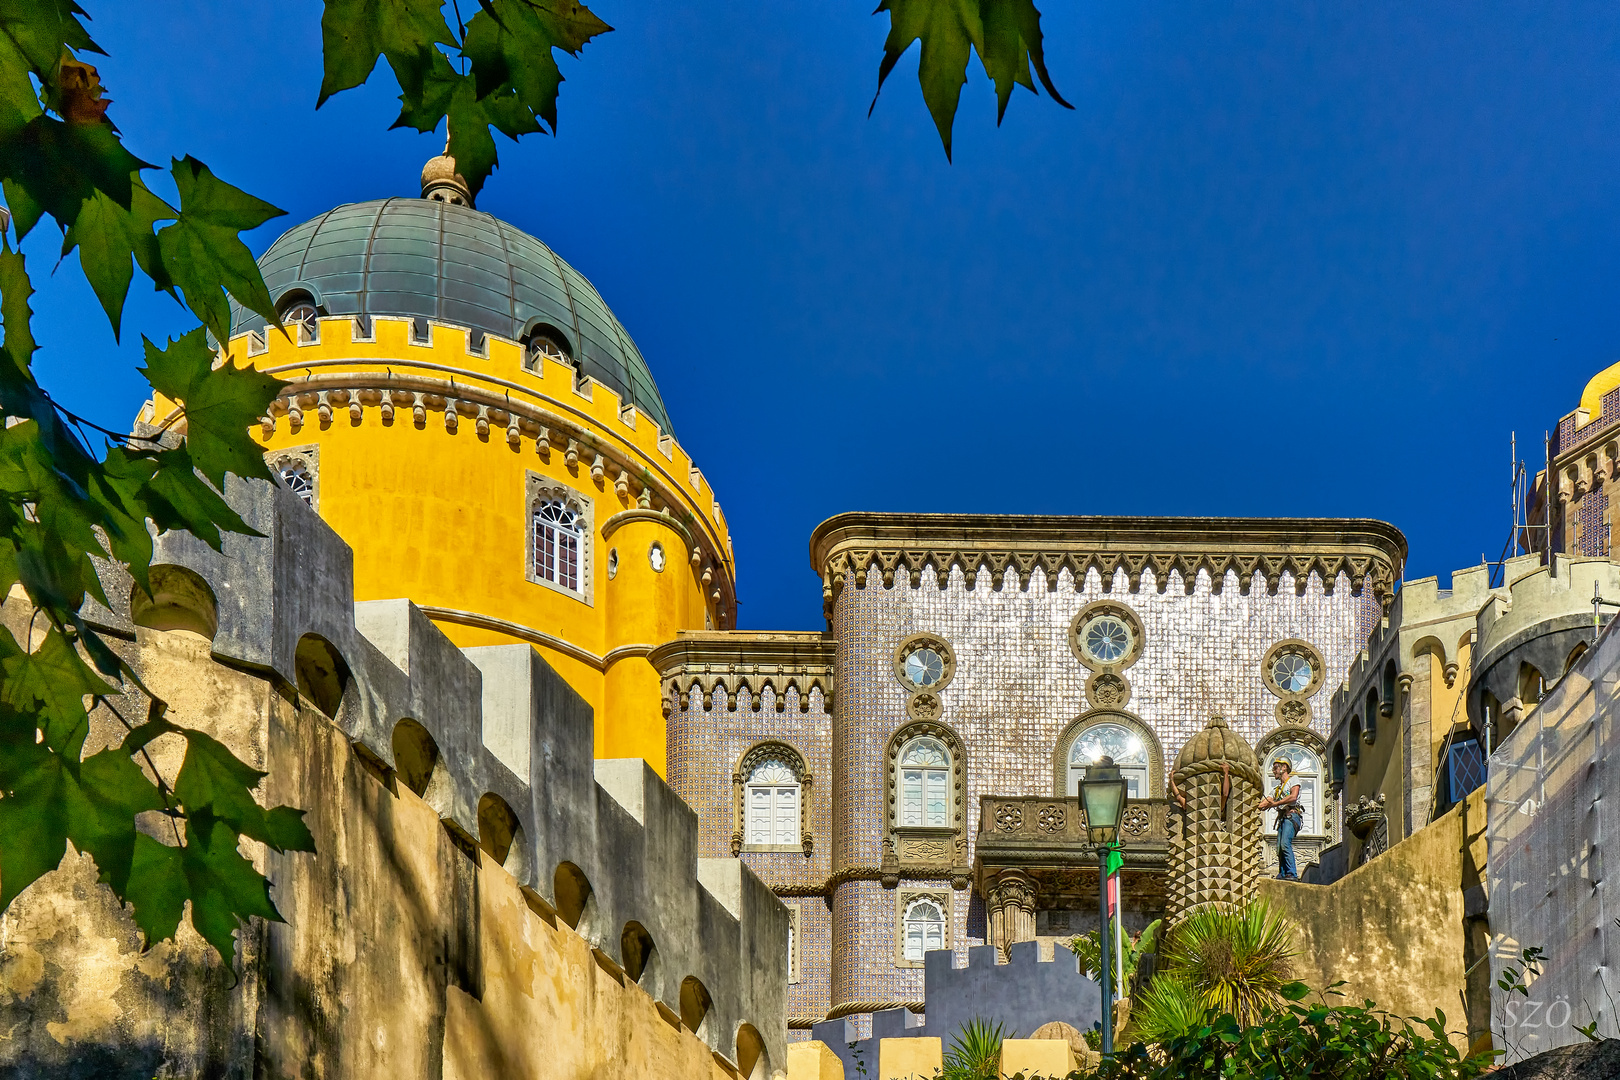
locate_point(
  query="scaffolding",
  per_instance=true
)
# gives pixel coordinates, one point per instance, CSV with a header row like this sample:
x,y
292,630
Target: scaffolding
x,y
1547,824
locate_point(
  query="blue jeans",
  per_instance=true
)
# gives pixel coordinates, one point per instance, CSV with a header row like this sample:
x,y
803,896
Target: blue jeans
x,y
1285,848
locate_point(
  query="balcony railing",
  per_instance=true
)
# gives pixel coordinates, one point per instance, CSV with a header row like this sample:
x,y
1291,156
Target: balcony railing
x,y
1024,820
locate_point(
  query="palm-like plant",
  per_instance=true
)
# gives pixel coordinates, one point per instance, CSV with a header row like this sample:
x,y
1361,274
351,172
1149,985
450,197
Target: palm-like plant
x,y
1233,959
1168,1007
975,1052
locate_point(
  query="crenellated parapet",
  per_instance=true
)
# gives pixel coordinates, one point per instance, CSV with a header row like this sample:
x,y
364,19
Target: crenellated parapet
x,y
423,374
500,747
910,548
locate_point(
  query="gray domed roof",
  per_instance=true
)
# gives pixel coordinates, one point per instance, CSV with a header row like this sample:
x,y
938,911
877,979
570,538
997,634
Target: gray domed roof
x,y
422,257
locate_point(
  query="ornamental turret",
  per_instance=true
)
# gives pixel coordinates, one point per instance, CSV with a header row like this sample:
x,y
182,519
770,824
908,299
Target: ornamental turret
x,y
1215,836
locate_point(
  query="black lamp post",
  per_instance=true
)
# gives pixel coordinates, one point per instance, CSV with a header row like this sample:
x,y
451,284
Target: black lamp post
x,y
1102,792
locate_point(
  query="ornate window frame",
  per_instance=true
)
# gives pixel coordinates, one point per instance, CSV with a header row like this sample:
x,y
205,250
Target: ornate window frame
x,y
1087,720
924,702
1124,614
939,850
750,760
903,899
1293,707
538,488
308,456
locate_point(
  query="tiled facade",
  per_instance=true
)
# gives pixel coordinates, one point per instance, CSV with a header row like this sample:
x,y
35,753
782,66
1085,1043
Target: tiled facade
x,y
1017,687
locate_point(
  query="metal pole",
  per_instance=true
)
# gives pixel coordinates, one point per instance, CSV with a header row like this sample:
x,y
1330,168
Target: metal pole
x,y
1104,964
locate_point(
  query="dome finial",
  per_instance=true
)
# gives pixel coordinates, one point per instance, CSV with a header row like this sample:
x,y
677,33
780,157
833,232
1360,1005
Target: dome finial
x,y
442,183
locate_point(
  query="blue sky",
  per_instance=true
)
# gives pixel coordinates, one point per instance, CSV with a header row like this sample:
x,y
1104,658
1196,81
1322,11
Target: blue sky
x,y
1294,258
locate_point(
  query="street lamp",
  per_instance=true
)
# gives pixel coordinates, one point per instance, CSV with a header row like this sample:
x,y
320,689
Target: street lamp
x,y
1102,793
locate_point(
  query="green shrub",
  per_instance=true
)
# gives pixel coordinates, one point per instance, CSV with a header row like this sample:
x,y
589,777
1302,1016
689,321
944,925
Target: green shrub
x,y
975,1052
1089,951
1235,959
1295,1041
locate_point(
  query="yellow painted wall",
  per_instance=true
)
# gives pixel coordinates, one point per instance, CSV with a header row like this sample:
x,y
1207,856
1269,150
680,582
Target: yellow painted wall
x,y
909,1059
443,519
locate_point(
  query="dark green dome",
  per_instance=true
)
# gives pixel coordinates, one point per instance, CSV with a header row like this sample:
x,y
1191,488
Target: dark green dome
x,y
438,260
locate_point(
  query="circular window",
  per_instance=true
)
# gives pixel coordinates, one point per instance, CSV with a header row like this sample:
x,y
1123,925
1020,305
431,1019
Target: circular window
x,y
925,668
655,556
1106,639
924,662
613,563
1106,636
1293,672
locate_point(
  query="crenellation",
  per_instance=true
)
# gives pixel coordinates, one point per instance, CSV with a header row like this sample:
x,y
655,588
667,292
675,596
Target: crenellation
x,y
509,733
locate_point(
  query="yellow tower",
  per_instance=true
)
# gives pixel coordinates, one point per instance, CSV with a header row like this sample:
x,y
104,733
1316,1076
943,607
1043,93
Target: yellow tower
x,y
465,411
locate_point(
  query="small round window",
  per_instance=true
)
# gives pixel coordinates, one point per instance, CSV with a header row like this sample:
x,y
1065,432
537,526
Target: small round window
x,y
925,668
924,662
1293,672
1106,639
613,563
655,556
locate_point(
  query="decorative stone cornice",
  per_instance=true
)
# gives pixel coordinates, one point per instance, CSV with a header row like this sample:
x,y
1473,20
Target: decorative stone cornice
x,y
698,661
546,424
905,547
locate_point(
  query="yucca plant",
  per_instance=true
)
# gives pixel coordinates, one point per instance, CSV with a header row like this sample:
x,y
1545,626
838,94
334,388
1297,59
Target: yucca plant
x,y
976,1052
1235,959
1170,1006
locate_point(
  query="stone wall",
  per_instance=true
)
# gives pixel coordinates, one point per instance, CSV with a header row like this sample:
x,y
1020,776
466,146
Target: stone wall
x,y
482,894
1404,929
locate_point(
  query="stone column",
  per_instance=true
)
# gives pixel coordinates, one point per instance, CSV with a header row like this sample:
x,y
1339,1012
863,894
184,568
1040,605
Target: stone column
x,y
1012,911
1417,711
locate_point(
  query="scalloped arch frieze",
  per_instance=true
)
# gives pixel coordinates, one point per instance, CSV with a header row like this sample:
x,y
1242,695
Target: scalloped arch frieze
x,y
918,549
696,665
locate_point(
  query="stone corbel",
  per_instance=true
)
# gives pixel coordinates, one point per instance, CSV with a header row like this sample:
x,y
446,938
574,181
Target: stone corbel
x,y
1450,673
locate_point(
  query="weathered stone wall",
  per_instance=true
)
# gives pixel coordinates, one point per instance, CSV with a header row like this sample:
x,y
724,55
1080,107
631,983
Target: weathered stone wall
x,y
424,938
1401,930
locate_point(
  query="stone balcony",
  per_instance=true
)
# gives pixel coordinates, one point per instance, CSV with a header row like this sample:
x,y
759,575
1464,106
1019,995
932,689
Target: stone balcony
x,y
1032,853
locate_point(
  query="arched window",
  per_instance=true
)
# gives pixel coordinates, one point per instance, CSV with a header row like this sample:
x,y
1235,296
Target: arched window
x,y
301,318
1531,685
1307,769
773,804
1118,742
925,784
1338,763
922,929
295,475
548,343
556,539
771,792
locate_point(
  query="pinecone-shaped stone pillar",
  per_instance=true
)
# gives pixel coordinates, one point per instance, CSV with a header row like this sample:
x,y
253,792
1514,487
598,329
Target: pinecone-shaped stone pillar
x,y
1215,826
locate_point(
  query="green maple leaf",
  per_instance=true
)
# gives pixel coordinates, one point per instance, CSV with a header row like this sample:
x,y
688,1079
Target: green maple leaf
x,y
220,403
16,317
109,790
33,37
58,165
510,44
107,235
214,779
445,93
224,887
157,889
203,252
1005,33
177,498
354,33
33,824
51,681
